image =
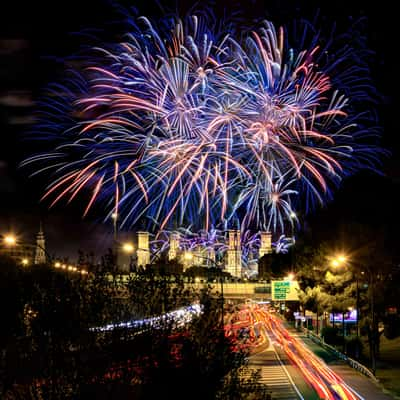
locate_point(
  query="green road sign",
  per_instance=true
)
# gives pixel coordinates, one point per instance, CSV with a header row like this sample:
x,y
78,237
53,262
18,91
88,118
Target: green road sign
x,y
284,290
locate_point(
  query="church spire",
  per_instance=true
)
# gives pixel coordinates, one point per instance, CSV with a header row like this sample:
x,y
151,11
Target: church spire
x,y
40,251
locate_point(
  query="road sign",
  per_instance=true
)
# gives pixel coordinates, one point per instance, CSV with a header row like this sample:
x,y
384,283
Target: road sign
x,y
284,290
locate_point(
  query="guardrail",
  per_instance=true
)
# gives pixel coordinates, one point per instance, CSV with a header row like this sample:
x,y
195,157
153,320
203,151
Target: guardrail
x,y
350,361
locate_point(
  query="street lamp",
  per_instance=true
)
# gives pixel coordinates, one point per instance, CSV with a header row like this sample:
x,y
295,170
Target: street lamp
x,y
290,276
11,240
293,218
128,248
338,261
114,217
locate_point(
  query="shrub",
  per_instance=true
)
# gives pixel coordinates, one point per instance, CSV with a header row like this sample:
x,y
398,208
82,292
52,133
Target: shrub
x,y
354,346
331,335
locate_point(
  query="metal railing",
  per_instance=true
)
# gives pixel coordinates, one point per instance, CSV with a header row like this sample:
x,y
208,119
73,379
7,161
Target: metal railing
x,y
350,361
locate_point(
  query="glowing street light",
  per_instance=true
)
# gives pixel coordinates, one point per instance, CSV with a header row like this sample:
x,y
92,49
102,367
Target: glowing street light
x,y
188,256
290,276
338,261
335,263
25,262
10,240
128,248
114,217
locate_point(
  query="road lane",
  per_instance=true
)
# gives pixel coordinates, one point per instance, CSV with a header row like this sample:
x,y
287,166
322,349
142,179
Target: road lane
x,y
287,347
274,374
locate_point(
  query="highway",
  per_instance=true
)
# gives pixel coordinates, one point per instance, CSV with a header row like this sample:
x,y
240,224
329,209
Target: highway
x,y
289,368
275,375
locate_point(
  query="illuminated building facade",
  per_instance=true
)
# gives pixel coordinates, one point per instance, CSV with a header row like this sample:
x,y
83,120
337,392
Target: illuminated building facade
x,y
143,250
266,244
234,254
40,250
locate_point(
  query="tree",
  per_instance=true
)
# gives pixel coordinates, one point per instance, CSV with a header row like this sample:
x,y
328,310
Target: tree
x,y
53,348
274,265
367,279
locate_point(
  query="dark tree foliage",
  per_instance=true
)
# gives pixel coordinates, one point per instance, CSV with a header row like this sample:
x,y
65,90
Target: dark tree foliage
x,y
210,274
274,265
49,349
370,274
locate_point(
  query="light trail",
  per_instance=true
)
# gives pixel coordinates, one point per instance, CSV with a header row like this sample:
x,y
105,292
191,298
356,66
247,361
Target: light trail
x,y
180,317
327,384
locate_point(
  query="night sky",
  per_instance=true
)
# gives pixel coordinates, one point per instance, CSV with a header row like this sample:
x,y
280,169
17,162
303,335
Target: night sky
x,y
33,35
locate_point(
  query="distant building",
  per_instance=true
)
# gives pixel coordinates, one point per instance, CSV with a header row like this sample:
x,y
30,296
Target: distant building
x,y
173,246
143,250
266,244
27,253
40,250
233,256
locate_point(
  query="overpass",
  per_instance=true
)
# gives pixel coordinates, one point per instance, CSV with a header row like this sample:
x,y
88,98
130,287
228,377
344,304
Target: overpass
x,y
239,290
260,291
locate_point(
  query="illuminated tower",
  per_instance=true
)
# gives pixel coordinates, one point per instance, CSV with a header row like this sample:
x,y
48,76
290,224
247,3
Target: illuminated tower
x,y
40,250
211,256
199,258
266,246
143,249
187,259
173,246
234,254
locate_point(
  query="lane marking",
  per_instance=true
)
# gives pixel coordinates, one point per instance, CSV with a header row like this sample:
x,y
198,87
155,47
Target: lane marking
x,y
284,368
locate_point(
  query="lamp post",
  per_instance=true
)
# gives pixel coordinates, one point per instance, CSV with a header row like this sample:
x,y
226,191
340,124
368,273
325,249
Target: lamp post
x,y
356,276
337,262
114,217
129,249
293,218
189,256
357,306
11,240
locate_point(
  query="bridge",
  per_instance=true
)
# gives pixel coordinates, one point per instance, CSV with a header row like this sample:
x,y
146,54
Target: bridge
x,y
260,291
240,290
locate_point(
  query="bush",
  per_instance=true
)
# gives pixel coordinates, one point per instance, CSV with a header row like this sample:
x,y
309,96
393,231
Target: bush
x,y
392,326
331,335
289,315
354,346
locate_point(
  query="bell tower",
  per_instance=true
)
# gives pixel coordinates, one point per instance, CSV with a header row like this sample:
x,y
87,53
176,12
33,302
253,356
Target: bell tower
x,y
266,245
40,250
173,246
143,251
234,254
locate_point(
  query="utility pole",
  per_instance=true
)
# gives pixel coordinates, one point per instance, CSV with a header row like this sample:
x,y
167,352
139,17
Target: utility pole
x,y
357,307
373,330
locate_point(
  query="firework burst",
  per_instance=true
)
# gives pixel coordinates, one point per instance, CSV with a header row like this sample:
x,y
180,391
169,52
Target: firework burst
x,y
184,125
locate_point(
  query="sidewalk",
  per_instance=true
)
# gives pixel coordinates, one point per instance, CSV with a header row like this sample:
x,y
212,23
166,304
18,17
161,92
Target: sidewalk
x,y
367,388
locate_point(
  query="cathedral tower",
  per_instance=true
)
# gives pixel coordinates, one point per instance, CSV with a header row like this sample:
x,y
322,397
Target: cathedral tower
x,y
40,250
234,254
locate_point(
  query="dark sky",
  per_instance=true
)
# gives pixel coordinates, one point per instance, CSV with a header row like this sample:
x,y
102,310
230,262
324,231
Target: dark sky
x,y
33,33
